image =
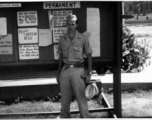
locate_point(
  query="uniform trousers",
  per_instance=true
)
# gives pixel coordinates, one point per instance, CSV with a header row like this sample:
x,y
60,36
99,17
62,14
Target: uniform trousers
x,y
70,80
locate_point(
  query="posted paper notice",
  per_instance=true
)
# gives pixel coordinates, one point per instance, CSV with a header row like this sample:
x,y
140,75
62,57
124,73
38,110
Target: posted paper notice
x,y
93,27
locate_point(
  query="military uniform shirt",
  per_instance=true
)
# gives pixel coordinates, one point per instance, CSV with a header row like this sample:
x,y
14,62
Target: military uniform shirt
x,y
73,52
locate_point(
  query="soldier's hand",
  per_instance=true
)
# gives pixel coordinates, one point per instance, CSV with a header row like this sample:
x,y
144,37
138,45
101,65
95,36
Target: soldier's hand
x,y
86,78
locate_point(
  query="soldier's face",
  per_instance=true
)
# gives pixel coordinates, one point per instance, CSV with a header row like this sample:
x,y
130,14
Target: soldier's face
x,y
71,25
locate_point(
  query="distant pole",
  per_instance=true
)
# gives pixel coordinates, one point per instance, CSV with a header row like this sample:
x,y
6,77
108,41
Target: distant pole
x,y
144,11
123,20
148,6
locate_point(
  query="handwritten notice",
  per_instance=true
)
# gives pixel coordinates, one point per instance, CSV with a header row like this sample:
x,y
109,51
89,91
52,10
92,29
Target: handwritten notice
x,y
45,37
56,55
93,27
59,17
29,51
3,26
59,5
28,35
27,18
58,32
6,44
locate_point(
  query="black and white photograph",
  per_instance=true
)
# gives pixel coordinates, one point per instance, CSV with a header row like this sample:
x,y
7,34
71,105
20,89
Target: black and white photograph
x,y
75,59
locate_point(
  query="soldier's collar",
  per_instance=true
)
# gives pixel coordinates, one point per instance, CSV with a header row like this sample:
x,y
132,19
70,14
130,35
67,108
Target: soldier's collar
x,y
78,35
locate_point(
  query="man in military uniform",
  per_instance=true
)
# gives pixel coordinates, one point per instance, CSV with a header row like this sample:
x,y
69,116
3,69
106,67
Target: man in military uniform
x,y
72,47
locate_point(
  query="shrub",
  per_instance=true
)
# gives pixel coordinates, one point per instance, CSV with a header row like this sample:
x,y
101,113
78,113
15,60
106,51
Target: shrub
x,y
134,53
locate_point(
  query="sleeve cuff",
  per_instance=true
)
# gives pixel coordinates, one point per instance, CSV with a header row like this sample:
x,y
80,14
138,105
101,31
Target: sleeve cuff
x,y
88,50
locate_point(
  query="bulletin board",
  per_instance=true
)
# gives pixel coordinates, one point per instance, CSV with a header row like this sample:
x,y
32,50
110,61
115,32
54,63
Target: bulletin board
x,y
43,32
7,48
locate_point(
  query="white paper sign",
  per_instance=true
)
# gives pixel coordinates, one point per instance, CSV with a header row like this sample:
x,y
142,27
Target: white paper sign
x,y
10,5
27,35
93,27
59,5
59,17
56,55
45,37
29,51
6,44
3,26
27,18
58,32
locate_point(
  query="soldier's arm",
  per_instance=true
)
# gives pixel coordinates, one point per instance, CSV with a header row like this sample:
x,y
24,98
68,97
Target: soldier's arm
x,y
89,57
60,64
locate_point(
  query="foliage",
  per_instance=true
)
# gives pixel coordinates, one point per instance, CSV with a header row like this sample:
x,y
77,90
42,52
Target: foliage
x,y
134,54
137,7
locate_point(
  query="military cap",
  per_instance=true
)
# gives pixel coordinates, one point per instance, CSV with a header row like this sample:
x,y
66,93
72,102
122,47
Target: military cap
x,y
72,17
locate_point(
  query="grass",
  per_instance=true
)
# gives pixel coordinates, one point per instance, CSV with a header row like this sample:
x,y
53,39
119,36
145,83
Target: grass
x,y
135,104
142,32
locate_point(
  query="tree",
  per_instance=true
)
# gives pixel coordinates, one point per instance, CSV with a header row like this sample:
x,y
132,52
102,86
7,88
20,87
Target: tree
x,y
140,7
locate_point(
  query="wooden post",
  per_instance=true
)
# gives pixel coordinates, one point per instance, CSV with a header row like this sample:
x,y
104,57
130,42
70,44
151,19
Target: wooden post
x,y
117,59
15,39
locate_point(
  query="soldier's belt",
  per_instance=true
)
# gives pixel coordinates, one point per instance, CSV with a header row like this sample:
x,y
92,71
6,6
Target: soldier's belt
x,y
80,65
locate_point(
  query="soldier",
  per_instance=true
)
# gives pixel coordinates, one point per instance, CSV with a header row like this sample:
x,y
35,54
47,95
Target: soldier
x,y
72,47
